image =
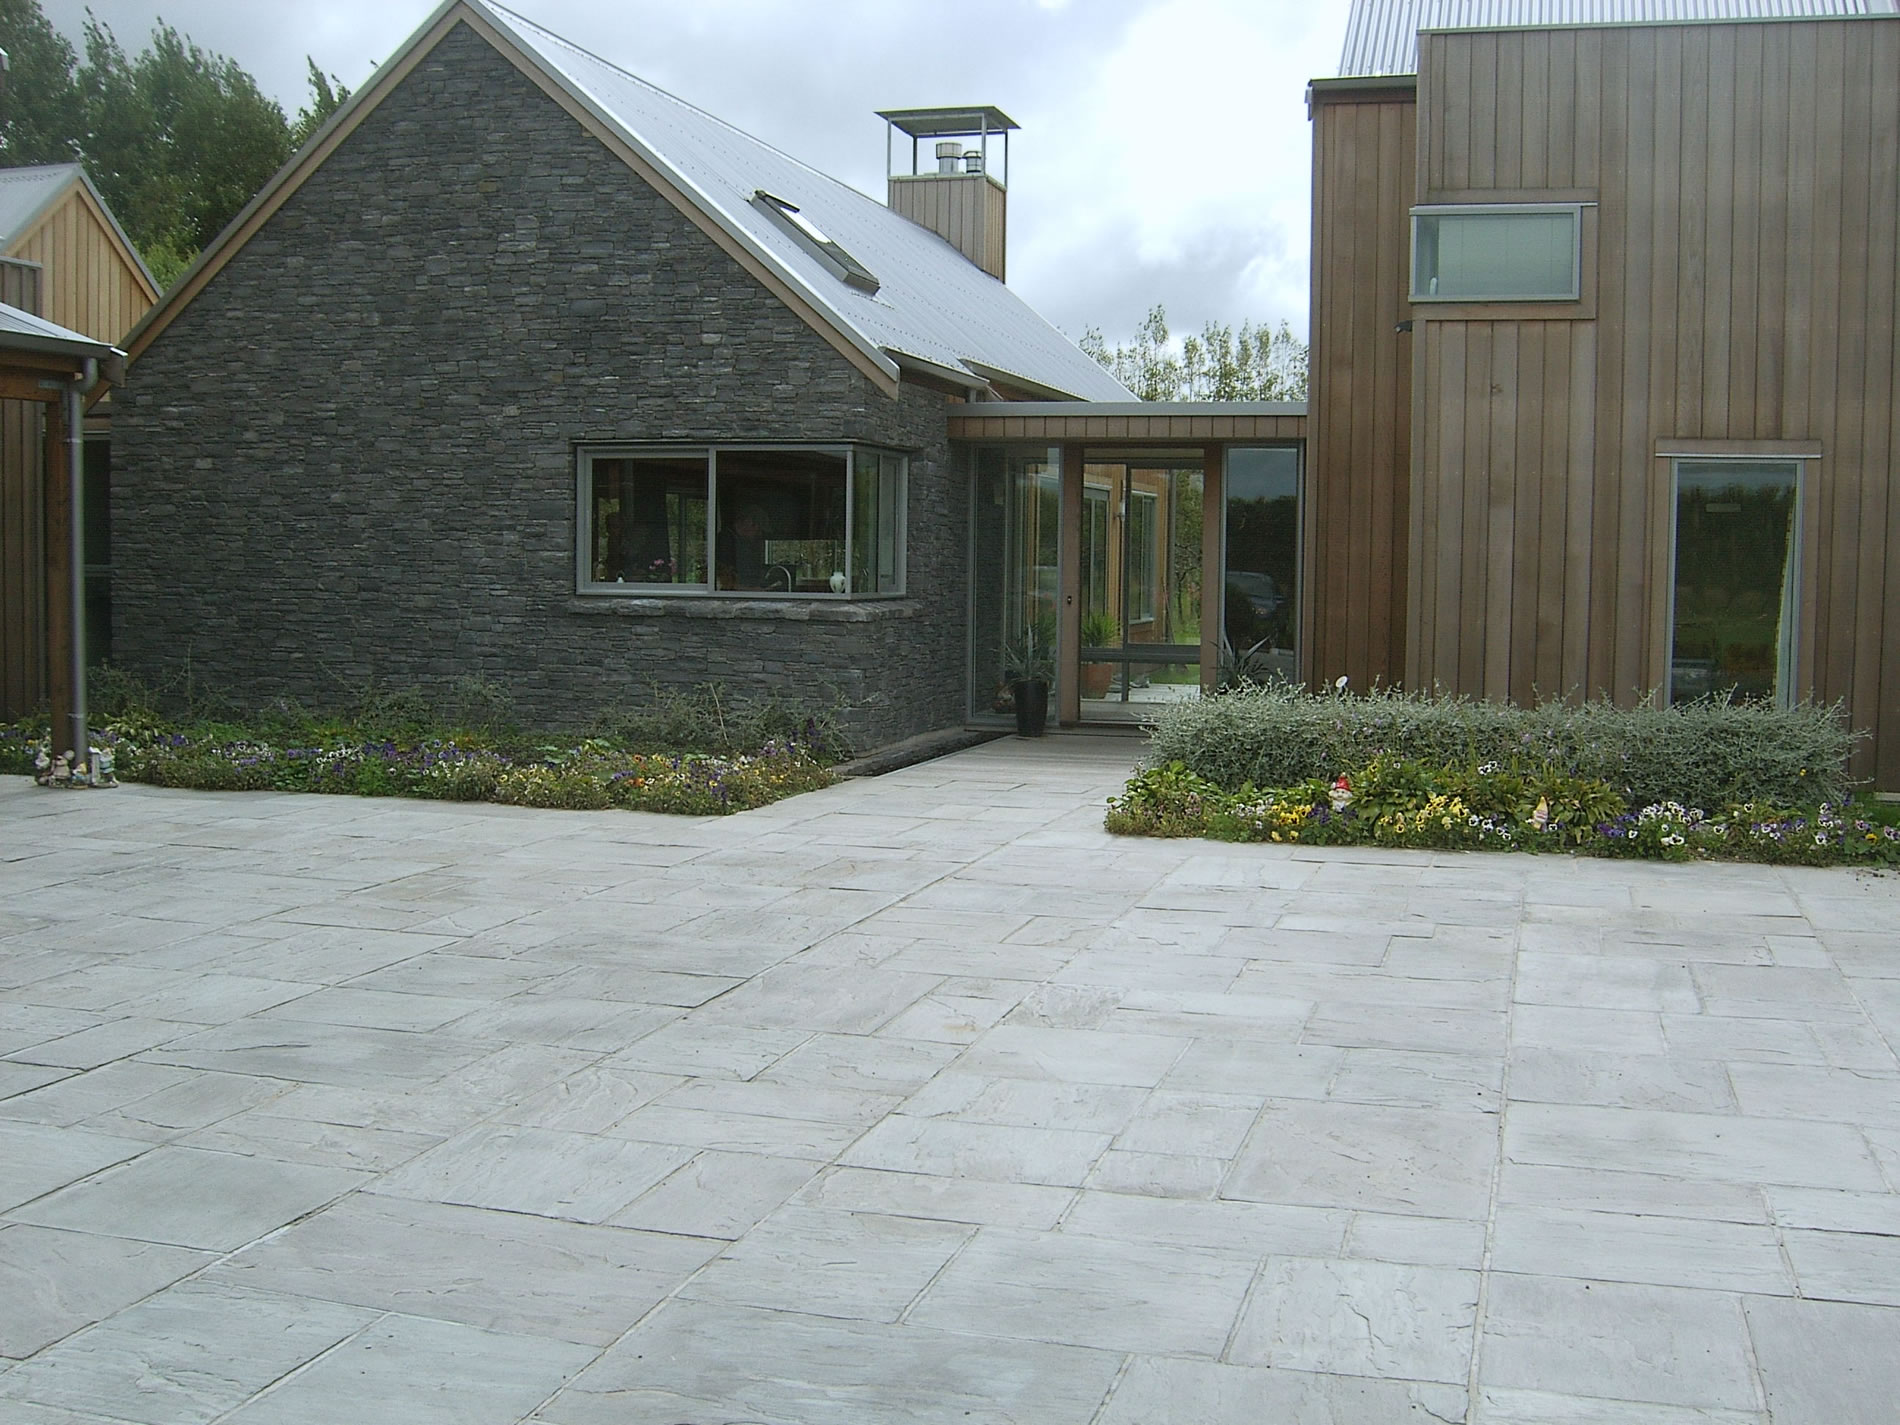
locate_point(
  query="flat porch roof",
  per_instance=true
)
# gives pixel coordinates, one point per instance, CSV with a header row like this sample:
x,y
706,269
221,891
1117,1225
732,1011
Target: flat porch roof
x,y
1130,421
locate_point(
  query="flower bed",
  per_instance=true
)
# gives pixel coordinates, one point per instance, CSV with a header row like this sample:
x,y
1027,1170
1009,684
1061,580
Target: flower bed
x,y
594,774
1498,807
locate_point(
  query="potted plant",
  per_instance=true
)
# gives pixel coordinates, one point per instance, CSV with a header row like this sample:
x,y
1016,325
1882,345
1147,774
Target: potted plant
x,y
1028,669
1099,630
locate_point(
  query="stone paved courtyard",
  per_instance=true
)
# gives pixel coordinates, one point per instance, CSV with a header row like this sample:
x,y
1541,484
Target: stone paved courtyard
x,y
923,1100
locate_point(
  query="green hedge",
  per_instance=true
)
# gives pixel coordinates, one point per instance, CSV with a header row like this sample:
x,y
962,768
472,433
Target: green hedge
x,y
1710,754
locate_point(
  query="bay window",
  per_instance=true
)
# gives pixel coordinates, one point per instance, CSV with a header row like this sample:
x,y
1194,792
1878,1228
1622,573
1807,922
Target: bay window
x,y
823,521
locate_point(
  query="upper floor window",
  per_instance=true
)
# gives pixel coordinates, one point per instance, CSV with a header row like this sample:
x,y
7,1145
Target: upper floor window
x,y
742,519
1503,252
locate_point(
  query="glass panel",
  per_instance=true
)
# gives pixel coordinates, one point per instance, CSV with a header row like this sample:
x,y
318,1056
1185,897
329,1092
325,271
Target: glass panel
x,y
1094,556
1495,256
648,519
781,521
1150,608
1260,612
876,502
1735,580
1142,518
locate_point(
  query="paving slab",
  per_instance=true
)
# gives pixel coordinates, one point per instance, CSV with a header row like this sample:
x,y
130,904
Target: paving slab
x,y
921,1098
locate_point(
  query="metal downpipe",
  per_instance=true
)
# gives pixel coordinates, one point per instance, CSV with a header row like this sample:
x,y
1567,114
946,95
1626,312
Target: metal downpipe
x,y
80,743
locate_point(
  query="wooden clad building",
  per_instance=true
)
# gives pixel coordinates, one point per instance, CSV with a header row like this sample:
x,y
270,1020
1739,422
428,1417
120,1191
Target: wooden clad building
x,y
94,281
64,258
1647,311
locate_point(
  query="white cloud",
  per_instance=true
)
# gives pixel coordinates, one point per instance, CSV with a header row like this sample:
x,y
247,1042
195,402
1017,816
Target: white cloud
x,y
1164,155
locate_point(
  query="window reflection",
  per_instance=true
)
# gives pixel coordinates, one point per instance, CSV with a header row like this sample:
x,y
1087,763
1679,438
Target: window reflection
x,y
1261,605
1735,580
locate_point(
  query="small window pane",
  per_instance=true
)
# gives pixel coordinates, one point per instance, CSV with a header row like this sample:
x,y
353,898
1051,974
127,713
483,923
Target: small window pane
x,y
1142,519
1492,256
876,520
781,520
649,519
1735,581
1094,550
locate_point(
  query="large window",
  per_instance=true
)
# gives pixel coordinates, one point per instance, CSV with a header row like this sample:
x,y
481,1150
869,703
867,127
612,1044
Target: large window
x,y
1497,253
743,519
1736,579
1260,607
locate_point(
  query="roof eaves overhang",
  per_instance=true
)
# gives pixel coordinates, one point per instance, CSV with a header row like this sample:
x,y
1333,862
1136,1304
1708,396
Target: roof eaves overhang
x,y
1042,390
1148,408
960,376
697,206
56,348
1359,88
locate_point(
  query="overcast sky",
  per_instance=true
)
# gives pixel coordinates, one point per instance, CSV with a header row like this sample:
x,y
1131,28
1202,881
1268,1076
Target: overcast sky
x,y
1164,154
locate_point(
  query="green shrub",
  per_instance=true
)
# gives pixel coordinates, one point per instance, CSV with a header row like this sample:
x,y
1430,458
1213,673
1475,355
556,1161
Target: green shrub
x,y
1707,753
1163,801
711,721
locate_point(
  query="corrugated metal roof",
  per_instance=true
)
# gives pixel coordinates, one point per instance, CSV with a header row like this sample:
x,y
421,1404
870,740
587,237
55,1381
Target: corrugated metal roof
x,y
1382,35
25,192
932,304
22,331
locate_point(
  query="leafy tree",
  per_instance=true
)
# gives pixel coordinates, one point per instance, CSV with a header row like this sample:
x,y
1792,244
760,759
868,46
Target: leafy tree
x,y
1255,363
177,138
38,109
327,95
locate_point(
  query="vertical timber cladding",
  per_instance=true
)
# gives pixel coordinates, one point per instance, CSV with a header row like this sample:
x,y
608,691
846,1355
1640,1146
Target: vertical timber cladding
x,y
22,568
91,286
1739,286
1353,617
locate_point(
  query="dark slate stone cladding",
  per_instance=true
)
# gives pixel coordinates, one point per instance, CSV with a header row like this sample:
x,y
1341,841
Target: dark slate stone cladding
x,y
350,461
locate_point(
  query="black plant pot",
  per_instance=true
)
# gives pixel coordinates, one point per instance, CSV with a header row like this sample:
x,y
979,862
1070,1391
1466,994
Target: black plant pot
x,y
1032,707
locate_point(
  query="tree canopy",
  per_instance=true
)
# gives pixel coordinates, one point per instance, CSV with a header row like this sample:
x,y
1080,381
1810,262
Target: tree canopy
x,y
1255,363
177,138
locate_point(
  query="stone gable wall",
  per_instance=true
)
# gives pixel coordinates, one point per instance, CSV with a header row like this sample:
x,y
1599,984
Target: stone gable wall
x,y
351,459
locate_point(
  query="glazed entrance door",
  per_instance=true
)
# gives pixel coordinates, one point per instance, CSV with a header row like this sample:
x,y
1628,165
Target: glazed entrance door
x,y
1139,585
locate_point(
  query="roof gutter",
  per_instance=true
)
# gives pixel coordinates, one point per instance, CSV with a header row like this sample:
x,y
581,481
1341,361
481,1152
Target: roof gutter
x,y
937,371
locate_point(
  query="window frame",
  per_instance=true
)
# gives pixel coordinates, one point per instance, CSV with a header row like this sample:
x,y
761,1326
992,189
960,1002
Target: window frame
x,y
585,454
1574,210
1788,654
1297,592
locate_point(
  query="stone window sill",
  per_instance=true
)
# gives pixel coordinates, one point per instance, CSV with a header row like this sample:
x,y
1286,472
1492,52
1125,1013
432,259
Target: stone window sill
x,y
771,610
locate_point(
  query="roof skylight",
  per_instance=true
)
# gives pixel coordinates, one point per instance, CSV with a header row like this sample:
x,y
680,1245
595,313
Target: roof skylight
x,y
816,241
